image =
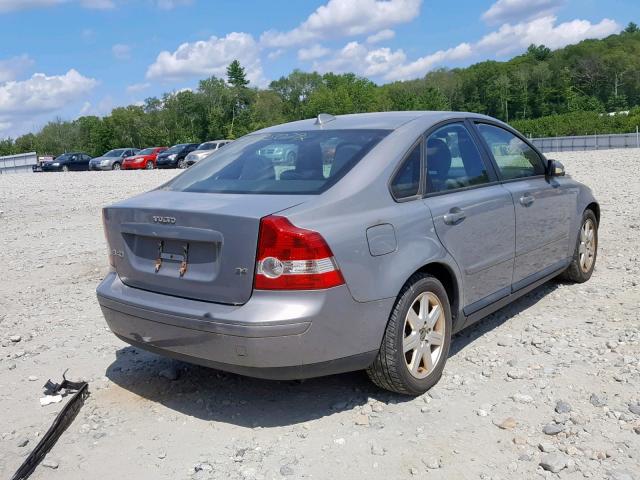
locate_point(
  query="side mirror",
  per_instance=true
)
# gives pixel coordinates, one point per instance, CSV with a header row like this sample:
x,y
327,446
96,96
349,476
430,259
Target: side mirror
x,y
555,168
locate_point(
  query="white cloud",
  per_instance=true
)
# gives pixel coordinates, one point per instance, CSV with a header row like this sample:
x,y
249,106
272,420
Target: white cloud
x,y
340,18
381,36
510,11
138,87
275,54
356,57
422,65
86,108
5,126
508,39
313,52
98,4
13,5
209,57
11,68
121,51
41,93
513,38
171,4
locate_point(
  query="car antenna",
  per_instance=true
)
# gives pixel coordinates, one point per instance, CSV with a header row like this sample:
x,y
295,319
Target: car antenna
x,y
324,118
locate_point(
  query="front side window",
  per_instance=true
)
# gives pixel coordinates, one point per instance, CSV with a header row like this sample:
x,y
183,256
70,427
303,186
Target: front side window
x,y
406,182
453,160
515,159
280,163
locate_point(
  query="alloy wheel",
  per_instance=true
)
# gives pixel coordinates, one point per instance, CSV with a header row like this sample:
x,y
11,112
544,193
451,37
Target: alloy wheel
x,y
424,333
588,245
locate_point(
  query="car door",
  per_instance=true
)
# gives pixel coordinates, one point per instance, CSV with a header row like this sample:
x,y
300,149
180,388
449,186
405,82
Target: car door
x,y
74,162
544,207
472,213
84,163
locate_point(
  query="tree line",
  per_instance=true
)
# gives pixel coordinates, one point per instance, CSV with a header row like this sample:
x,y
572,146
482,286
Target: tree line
x,y
541,92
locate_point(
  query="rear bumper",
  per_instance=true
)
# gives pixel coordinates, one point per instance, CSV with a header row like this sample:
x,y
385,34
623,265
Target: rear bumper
x,y
278,335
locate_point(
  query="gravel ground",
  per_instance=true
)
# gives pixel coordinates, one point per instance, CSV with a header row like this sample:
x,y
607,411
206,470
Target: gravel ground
x,y
548,384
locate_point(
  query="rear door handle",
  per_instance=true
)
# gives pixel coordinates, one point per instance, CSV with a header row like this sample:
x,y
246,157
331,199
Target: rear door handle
x,y
455,216
527,200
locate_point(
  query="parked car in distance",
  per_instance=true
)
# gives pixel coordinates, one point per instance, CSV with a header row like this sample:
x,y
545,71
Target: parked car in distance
x,y
175,156
417,228
204,150
112,160
144,159
72,161
280,153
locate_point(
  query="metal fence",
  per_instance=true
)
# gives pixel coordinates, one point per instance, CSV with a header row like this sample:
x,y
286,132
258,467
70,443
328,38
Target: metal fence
x,y
587,142
21,163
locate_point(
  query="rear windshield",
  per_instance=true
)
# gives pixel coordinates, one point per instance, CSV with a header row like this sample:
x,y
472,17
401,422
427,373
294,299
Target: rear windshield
x,y
279,163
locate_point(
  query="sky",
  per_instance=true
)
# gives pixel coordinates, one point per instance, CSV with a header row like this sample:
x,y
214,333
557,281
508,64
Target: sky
x,y
67,58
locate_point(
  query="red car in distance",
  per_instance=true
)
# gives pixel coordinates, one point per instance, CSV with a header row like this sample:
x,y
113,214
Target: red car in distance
x,y
143,160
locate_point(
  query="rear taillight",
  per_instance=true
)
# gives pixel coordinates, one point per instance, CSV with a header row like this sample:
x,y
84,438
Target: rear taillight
x,y
292,258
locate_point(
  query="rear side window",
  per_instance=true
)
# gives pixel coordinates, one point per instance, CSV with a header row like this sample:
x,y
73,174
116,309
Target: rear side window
x,y
406,182
514,158
280,163
453,160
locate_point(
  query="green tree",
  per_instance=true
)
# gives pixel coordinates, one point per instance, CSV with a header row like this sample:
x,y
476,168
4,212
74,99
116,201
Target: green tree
x,y
236,75
539,52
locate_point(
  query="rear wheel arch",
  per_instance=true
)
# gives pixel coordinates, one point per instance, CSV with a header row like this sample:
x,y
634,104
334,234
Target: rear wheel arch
x,y
449,281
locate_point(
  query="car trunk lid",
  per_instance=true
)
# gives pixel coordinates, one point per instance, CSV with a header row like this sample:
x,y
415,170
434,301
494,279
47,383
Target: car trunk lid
x,y
193,245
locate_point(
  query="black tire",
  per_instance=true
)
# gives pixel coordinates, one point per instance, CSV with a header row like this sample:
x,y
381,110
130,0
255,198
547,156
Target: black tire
x,y
182,164
115,166
390,370
65,168
148,165
575,272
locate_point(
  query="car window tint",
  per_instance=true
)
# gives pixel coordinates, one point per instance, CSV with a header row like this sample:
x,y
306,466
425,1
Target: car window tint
x,y
281,162
406,182
515,159
453,160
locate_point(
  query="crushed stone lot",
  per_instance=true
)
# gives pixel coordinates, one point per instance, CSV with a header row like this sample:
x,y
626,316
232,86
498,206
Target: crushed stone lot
x,y
547,387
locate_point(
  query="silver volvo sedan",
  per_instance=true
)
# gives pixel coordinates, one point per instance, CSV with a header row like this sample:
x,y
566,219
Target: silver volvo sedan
x,y
387,233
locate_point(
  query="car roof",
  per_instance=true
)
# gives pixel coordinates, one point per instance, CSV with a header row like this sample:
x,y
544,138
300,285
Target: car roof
x,y
374,120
